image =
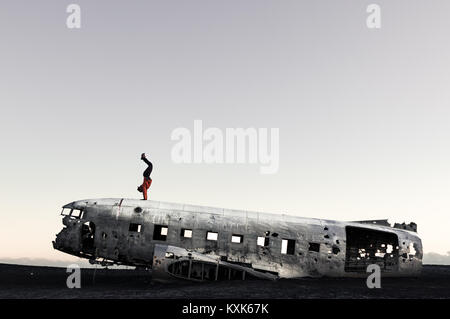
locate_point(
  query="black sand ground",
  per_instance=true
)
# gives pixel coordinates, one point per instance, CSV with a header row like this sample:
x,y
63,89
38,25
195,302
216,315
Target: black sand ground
x,y
49,282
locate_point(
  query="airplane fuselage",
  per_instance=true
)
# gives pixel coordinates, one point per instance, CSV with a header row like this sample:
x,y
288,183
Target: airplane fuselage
x,y
127,232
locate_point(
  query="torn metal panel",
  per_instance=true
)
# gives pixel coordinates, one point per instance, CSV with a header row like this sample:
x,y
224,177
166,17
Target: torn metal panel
x,y
410,226
170,262
129,232
381,222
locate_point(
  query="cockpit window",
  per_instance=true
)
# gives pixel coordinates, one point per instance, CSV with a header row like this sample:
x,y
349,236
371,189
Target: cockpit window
x,y
66,211
73,213
76,213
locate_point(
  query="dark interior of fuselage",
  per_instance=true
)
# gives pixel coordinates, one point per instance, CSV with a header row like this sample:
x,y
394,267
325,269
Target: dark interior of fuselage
x,y
368,246
88,238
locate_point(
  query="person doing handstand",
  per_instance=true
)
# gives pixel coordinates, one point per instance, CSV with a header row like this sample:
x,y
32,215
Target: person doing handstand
x,y
147,180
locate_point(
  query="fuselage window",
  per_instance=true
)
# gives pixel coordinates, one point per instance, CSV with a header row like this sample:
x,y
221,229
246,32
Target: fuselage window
x,y
160,232
211,236
135,227
186,233
288,246
263,241
314,247
237,239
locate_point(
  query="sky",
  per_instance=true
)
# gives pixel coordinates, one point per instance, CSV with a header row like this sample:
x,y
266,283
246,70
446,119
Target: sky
x,y
363,114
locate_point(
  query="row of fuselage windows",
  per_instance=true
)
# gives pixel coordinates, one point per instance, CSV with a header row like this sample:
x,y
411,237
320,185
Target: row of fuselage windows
x,y
160,233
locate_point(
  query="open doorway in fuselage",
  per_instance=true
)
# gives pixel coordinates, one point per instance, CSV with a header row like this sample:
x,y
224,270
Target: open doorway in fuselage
x,y
88,238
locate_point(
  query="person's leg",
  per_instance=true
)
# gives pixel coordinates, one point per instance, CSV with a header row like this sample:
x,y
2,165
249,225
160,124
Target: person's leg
x,y
149,169
147,161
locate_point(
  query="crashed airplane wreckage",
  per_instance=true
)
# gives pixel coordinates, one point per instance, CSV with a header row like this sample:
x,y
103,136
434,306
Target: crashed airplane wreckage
x,y
204,243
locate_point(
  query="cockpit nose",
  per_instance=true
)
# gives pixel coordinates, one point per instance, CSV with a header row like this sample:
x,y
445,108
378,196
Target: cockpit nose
x,y
69,239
